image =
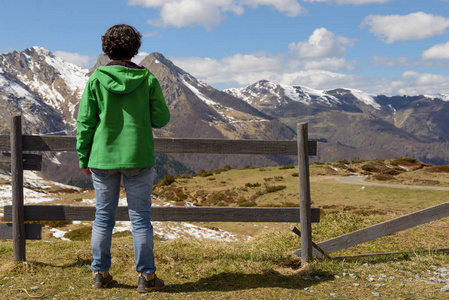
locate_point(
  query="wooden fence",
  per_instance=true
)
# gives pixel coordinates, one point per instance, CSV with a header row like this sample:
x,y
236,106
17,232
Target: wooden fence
x,y
18,161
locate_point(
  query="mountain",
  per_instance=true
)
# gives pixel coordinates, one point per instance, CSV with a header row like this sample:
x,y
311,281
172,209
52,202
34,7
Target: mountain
x,y
46,91
351,123
201,111
348,123
41,86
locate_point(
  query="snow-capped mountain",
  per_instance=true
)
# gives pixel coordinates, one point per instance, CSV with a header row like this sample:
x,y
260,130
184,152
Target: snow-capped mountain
x,y
46,90
348,122
42,87
357,124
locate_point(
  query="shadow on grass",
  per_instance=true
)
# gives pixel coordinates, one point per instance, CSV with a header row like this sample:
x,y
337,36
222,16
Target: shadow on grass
x,y
238,281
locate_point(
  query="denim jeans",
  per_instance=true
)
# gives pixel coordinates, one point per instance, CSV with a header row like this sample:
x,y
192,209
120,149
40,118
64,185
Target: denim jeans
x,y
138,186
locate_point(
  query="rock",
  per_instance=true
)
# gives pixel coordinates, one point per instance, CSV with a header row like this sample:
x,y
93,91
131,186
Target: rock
x,y
376,294
445,288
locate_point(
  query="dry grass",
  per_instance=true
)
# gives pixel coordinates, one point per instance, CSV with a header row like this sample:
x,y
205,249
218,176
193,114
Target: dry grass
x,y
258,269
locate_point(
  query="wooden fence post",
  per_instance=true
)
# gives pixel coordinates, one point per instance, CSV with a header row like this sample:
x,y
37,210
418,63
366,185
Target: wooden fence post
x,y
18,224
304,192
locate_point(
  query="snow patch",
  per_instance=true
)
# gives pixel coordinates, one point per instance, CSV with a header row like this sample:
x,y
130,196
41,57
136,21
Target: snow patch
x,y
365,98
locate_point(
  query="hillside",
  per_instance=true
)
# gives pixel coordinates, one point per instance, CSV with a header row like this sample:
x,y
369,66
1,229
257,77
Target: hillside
x,y
351,123
252,260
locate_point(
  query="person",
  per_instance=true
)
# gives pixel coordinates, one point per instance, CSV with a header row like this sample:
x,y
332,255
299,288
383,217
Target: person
x,y
120,105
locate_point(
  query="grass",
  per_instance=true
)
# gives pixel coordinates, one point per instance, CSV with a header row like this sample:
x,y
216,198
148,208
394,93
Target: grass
x,y
263,267
205,269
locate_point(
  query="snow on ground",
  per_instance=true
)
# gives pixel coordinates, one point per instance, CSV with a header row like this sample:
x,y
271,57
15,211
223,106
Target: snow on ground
x,y
162,230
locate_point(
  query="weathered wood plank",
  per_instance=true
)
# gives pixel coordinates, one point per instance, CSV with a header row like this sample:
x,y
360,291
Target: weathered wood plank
x,y
186,214
18,225
221,146
167,145
5,143
32,231
382,229
304,191
32,162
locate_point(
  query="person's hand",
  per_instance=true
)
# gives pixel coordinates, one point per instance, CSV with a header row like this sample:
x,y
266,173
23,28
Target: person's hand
x,y
86,171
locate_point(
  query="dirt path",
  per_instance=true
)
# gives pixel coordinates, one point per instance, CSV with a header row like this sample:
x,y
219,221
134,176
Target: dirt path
x,y
361,180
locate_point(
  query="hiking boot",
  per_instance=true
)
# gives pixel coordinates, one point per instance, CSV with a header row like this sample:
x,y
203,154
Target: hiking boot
x,y
101,279
148,282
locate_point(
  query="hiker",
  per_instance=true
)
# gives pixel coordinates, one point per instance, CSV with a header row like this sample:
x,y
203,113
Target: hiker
x,y
120,104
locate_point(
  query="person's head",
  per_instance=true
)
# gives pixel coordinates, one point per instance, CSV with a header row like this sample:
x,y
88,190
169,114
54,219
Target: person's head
x,y
121,42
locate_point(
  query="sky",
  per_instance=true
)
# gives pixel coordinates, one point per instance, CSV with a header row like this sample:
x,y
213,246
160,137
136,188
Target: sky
x,y
390,47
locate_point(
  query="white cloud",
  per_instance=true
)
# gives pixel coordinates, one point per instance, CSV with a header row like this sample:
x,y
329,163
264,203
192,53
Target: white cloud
x,y
403,61
323,74
321,43
330,63
415,26
356,2
238,69
151,34
415,83
290,7
243,69
440,51
74,58
207,13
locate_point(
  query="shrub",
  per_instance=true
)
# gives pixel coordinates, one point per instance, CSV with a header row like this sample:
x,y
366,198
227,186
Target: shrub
x,y
205,174
184,176
274,188
169,179
286,167
394,171
295,174
245,203
344,161
370,168
227,167
439,169
252,184
356,160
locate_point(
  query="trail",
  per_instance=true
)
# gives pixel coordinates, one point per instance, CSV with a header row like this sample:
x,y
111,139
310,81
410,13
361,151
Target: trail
x,y
361,180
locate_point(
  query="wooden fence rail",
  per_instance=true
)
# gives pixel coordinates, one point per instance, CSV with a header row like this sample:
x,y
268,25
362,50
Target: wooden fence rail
x,y
382,229
16,143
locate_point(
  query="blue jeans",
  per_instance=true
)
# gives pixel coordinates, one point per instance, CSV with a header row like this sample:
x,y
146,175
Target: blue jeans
x,y
138,186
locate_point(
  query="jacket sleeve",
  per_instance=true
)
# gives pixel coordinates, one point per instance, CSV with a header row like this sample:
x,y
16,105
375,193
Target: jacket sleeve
x,y
160,115
86,123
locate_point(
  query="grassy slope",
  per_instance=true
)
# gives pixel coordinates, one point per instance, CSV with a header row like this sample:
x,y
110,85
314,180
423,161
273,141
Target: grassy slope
x,y
208,269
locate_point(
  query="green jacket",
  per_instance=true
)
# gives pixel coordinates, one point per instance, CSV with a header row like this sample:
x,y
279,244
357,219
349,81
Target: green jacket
x,y
116,114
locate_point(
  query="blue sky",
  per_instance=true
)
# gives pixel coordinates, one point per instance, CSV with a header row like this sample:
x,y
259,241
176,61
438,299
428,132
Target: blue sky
x,y
378,46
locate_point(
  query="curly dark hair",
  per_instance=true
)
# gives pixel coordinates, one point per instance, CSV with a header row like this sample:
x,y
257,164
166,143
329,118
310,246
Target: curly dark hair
x,y
121,42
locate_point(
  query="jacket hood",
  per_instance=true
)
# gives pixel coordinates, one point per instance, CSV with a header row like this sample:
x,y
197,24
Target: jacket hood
x,y
119,79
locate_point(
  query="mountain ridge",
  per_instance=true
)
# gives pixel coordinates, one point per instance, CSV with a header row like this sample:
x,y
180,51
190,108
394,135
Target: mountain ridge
x,y
348,122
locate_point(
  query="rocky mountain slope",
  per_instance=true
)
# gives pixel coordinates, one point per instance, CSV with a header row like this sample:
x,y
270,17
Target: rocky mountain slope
x,y
348,123
351,123
46,91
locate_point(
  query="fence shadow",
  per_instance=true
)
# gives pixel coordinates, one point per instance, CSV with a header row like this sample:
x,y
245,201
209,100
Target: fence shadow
x,y
228,282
